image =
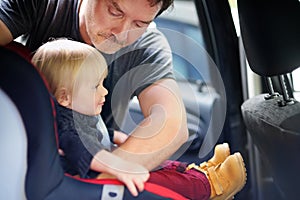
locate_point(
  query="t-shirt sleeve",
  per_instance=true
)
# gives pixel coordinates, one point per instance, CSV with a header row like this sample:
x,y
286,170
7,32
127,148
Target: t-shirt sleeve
x,y
18,15
37,21
156,63
145,62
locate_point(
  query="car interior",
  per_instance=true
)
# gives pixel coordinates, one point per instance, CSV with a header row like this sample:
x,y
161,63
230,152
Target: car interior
x,y
235,62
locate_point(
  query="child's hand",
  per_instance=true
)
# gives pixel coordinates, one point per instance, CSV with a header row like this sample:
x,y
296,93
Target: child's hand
x,y
131,174
134,182
119,137
61,152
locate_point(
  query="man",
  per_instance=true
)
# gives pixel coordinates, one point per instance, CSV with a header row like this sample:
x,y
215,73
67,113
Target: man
x,y
139,63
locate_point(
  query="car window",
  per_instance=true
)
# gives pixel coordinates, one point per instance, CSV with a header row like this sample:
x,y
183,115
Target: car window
x,y
185,37
296,80
296,83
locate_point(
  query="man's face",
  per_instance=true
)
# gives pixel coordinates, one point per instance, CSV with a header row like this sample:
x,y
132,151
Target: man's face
x,y
110,25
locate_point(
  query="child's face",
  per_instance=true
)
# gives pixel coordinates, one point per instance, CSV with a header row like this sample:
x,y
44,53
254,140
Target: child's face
x,y
89,96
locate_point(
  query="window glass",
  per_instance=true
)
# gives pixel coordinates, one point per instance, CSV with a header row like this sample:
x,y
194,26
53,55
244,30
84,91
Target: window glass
x,y
186,41
235,15
296,82
296,79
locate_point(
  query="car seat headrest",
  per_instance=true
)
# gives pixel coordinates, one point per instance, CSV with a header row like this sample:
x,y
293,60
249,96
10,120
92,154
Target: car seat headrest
x,y
270,32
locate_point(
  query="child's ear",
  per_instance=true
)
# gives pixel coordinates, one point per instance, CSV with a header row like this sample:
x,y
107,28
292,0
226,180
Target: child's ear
x,y
64,97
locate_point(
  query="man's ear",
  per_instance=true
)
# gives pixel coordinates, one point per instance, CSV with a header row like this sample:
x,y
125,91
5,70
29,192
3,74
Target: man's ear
x,y
64,97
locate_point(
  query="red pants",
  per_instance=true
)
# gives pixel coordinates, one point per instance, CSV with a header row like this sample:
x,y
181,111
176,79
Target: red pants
x,y
191,184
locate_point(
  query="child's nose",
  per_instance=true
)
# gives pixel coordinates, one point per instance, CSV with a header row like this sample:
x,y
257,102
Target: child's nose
x,y
104,91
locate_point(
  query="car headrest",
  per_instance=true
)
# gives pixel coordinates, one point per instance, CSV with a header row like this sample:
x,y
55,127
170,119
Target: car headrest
x,y
270,32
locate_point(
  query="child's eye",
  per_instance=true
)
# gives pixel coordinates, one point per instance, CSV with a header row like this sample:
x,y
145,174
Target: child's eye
x,y
97,86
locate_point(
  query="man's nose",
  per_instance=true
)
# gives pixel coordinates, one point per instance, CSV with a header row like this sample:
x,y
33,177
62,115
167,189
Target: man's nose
x,y
121,31
122,37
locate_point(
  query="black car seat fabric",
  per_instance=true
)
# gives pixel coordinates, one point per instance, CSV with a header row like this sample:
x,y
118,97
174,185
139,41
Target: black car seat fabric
x,y
276,133
45,178
270,33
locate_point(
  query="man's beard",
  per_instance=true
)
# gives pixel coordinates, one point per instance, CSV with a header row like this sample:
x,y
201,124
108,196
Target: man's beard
x,y
109,43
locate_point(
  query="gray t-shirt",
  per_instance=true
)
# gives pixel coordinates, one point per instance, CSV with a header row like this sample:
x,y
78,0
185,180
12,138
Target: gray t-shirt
x,y
131,69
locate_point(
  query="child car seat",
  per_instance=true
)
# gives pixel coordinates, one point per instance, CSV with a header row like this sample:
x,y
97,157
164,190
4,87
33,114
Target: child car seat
x,y
45,178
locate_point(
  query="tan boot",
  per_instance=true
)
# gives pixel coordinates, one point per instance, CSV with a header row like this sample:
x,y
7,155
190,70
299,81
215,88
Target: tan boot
x,y
221,152
227,178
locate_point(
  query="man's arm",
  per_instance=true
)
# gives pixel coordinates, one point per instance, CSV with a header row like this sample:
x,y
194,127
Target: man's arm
x,y
5,34
163,130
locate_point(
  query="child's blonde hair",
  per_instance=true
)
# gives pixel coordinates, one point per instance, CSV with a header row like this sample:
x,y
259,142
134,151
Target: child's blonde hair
x,y
65,63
